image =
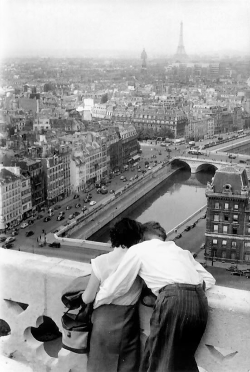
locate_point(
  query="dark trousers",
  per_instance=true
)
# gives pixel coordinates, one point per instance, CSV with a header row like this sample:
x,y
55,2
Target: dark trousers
x,y
115,341
176,327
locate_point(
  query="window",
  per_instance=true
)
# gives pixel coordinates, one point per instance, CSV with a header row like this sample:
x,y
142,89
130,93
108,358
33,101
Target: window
x,y
225,229
215,241
216,217
247,245
215,228
217,205
236,206
235,217
224,254
226,217
247,256
224,242
233,244
235,230
248,230
226,206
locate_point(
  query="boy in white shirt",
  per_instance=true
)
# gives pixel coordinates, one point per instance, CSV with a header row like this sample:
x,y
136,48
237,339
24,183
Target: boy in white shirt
x,y
180,314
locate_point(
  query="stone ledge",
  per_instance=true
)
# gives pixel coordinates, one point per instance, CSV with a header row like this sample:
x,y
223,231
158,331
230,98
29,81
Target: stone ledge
x,y
38,282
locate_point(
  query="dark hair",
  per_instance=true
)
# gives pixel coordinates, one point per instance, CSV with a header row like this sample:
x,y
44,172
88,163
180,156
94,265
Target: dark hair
x,y
126,233
153,227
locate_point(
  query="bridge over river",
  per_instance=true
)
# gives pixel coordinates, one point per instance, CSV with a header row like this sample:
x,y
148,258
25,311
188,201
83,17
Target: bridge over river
x,y
197,164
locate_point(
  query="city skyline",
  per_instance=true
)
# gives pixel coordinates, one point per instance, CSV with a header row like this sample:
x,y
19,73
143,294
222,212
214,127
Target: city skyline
x,y
78,28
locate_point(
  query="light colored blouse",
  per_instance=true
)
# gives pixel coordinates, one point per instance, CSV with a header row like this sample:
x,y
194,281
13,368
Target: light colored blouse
x,y
105,265
158,263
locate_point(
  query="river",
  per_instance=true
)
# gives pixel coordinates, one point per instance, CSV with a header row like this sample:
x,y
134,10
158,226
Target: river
x,y
169,204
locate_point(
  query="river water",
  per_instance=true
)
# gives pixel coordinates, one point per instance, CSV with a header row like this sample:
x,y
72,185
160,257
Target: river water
x,y
169,204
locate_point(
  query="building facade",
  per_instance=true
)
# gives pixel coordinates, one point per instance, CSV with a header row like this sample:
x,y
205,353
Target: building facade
x,y
26,196
10,197
228,216
53,179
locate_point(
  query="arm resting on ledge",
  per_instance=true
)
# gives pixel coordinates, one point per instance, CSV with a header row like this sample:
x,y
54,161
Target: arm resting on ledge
x,y
89,294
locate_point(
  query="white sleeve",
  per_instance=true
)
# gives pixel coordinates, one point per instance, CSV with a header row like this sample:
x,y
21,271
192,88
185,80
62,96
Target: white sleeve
x,y
95,268
204,274
121,280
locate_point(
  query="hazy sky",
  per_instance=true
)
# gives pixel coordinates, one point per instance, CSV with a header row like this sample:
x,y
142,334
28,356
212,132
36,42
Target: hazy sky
x,y
49,26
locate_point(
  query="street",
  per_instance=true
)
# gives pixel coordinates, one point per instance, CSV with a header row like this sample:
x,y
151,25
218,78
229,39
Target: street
x,y
150,154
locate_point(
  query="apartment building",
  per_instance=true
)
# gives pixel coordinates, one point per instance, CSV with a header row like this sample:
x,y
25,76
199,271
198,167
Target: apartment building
x,y
26,196
34,170
10,197
53,178
228,216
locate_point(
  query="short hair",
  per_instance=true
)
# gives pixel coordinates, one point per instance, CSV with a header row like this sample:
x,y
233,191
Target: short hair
x,y
126,233
153,227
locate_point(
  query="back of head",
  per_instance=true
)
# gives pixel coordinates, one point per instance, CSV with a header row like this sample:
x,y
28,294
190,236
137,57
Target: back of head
x,y
126,233
153,229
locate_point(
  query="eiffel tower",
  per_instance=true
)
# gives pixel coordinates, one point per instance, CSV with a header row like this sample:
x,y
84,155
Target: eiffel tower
x,y
180,55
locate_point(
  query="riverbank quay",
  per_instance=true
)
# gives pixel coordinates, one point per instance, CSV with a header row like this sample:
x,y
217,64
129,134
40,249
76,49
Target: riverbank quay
x,y
85,226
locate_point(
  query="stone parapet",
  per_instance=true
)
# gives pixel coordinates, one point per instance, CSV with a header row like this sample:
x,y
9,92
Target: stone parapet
x,y
30,290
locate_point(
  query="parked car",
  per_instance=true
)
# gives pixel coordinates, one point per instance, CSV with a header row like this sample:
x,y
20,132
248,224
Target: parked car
x,y
23,225
71,217
92,202
30,222
232,156
2,239
237,273
111,191
84,208
29,233
46,219
10,239
104,191
149,168
8,245
60,217
202,246
122,177
78,205
242,161
55,245
76,196
75,214
39,216
68,207
57,207
14,233
178,236
232,268
187,228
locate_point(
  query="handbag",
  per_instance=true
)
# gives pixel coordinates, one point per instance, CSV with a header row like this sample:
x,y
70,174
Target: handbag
x,y
76,329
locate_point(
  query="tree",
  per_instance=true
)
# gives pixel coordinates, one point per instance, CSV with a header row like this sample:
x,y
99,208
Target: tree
x,y
104,98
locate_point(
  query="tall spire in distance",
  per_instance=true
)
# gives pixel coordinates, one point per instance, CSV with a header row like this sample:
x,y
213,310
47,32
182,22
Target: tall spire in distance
x,y
180,55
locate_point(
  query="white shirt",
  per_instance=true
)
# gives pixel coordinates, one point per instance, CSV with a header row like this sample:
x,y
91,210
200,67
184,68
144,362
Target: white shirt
x,y
105,265
159,264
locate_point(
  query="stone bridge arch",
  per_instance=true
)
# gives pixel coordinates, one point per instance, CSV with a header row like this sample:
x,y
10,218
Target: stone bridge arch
x,y
206,167
179,163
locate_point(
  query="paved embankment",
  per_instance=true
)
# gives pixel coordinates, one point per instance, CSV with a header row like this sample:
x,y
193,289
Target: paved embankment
x,y
116,205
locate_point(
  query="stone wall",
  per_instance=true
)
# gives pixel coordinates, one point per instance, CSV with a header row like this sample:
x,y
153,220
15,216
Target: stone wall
x,y
30,289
